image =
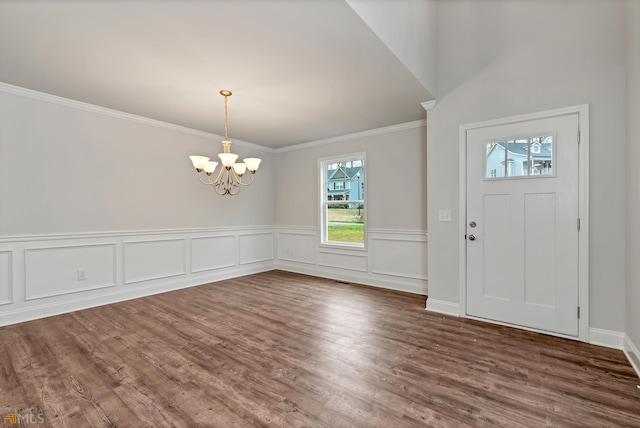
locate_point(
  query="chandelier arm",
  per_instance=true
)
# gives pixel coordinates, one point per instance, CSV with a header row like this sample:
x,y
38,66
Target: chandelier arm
x,y
253,176
202,181
218,184
234,182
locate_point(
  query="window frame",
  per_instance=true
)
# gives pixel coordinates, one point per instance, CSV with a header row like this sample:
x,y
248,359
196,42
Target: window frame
x,y
324,202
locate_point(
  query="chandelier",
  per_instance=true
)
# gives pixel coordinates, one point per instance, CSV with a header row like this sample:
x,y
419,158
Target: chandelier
x,y
229,179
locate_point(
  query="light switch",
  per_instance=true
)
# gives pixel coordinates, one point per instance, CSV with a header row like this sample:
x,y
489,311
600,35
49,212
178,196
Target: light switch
x,y
444,215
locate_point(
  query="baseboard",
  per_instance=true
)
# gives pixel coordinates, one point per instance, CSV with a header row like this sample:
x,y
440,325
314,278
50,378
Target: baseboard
x,y
607,338
443,307
632,353
406,285
33,312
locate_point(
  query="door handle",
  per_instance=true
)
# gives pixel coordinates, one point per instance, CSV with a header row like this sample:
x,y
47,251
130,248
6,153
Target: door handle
x,y
472,237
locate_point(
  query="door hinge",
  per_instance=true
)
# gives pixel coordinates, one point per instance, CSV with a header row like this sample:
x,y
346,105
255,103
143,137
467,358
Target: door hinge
x,y
578,136
578,225
578,312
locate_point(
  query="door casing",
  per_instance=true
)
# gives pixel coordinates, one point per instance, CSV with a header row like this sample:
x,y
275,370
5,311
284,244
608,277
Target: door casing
x,y
583,209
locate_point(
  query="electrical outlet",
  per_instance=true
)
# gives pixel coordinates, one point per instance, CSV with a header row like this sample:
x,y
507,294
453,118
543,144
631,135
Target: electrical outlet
x,y
444,215
82,274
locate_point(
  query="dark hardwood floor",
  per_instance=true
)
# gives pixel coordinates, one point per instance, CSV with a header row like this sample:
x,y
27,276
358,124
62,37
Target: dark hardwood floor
x,y
282,349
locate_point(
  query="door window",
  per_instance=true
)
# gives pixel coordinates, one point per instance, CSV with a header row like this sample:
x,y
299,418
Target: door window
x,y
524,157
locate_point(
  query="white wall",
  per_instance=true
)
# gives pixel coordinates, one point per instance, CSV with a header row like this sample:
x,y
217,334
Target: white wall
x,y
632,330
408,28
396,210
396,178
500,58
64,168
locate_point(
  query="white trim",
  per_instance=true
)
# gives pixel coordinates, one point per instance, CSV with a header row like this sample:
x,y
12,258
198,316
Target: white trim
x,y
79,105
429,105
10,279
314,229
292,229
583,205
356,135
607,338
87,235
632,353
422,233
443,307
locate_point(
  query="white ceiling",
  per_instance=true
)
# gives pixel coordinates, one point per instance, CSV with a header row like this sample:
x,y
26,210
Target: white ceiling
x,y
300,70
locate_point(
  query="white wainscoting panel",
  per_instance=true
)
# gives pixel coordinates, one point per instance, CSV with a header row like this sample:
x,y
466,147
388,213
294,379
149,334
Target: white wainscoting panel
x,y
297,247
154,259
256,247
53,271
39,273
343,260
394,259
399,256
6,277
212,252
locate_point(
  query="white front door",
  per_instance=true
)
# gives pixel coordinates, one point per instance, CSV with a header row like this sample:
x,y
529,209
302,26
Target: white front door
x,y
522,223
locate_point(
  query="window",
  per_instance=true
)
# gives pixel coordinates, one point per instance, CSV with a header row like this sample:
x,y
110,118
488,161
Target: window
x,y
526,157
342,208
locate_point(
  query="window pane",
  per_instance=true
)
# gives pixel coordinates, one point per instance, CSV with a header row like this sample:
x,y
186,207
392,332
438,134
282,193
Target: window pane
x,y
517,153
519,158
344,181
541,155
495,160
345,223
343,187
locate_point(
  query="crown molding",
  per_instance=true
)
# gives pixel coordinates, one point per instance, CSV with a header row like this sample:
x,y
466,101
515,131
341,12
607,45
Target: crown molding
x,y
54,99
79,105
362,134
429,105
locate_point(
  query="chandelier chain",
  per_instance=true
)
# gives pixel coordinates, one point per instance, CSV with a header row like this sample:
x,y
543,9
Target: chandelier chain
x,y
226,132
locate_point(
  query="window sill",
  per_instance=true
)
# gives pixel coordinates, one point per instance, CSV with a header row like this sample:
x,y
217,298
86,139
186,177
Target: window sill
x,y
345,246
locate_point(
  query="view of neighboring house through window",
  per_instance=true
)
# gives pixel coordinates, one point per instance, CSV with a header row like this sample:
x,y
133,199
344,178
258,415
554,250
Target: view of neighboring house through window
x,y
526,157
343,201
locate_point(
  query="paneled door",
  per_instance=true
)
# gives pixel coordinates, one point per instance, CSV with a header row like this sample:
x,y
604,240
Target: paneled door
x,y
522,223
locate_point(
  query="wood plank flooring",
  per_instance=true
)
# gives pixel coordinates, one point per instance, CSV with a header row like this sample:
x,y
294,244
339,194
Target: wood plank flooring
x,y
282,349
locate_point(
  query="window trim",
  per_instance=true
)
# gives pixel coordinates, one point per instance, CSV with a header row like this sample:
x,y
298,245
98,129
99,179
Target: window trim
x,y
322,201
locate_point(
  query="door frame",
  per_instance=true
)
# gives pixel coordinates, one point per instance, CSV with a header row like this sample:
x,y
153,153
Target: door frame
x,y
583,210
